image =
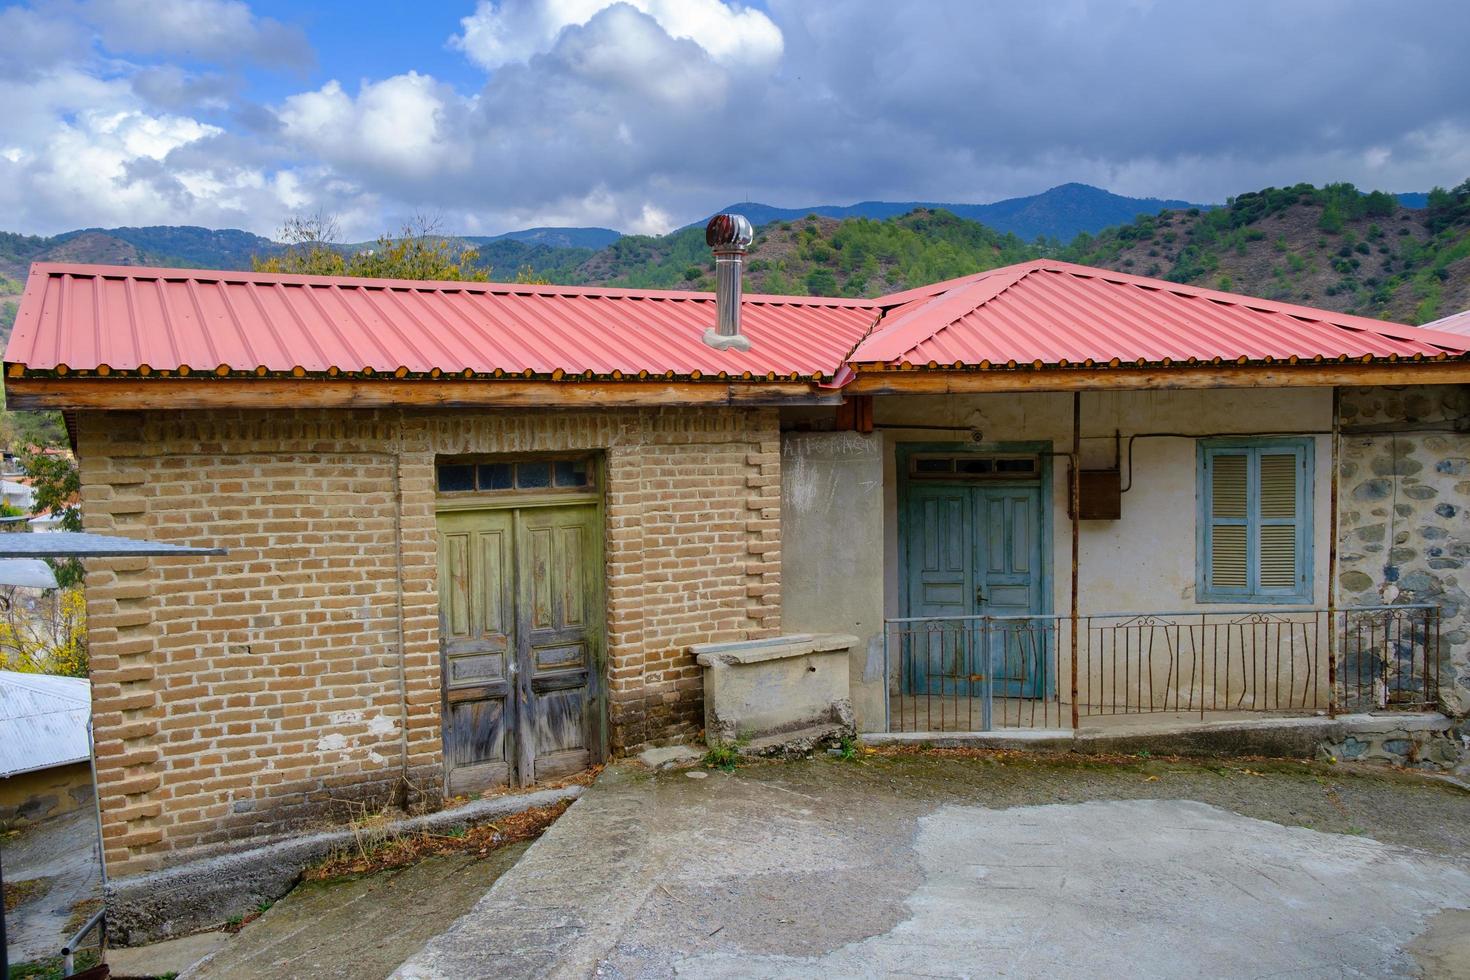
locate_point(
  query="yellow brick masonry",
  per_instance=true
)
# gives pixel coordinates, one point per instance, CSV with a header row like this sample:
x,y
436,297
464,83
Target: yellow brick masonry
x,y
278,686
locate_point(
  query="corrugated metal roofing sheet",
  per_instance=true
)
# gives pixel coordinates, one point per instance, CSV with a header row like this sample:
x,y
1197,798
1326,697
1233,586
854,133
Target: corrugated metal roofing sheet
x,y
1458,323
90,544
1058,313
119,319
43,721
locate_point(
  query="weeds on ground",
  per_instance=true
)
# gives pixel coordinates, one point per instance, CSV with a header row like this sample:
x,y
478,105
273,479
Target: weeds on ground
x,y
237,922
50,968
847,748
379,847
724,755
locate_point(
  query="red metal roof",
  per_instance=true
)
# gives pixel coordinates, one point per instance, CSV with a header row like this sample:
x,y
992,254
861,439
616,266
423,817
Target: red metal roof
x,y
120,320
1456,323
1056,313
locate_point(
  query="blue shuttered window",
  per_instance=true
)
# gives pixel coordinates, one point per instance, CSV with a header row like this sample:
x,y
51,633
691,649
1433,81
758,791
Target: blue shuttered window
x,y
1255,521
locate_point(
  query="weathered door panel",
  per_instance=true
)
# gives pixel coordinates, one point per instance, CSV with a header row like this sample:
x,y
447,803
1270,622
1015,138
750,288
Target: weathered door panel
x,y
521,638
475,609
558,551
974,550
941,584
1008,556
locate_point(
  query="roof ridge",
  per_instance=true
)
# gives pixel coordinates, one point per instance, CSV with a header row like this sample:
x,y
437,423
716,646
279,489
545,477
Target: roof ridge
x,y
907,330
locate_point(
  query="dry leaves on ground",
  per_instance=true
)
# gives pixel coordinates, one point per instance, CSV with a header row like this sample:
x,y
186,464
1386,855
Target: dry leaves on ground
x,y
397,851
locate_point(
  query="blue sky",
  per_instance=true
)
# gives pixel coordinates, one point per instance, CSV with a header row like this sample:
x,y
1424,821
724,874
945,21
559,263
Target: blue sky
x,y
642,115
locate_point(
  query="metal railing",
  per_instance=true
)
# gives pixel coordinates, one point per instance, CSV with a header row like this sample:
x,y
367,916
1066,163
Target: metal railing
x,y
977,673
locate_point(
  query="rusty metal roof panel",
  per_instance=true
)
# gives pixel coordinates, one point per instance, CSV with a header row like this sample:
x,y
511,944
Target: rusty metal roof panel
x,y
1057,313
122,319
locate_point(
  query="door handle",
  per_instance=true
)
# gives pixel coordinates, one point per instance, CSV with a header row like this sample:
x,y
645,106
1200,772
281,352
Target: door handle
x,y
979,595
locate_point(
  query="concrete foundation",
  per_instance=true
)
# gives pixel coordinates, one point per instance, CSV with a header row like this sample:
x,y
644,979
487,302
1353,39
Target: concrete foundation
x,y
189,897
1423,740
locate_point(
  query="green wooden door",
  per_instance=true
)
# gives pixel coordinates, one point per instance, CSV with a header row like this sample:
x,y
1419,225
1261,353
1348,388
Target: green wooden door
x,y
974,551
521,642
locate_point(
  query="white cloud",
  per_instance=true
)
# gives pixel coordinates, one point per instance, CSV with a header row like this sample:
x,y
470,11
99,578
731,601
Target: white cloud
x,y
399,127
221,31
502,32
32,43
646,114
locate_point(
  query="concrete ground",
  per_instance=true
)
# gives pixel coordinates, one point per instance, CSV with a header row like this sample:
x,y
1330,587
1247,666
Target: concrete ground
x,y
947,864
62,852
340,930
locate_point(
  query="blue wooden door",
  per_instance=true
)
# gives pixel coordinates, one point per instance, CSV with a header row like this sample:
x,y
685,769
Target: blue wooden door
x,y
1007,558
974,550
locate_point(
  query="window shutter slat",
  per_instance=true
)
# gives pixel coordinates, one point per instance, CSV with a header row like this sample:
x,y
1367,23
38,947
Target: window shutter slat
x,y
1278,485
1228,556
1278,556
1228,486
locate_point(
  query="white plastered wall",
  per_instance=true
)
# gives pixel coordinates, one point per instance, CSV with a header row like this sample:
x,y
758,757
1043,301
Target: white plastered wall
x,y
1144,562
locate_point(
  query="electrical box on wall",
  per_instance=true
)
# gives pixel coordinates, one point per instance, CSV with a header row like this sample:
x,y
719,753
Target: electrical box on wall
x,y
1099,495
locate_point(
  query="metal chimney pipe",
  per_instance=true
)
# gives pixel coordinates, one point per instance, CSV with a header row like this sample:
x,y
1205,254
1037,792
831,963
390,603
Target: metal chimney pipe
x,y
728,235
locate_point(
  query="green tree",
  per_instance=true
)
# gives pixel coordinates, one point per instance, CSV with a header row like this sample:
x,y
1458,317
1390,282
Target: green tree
x,y
821,282
419,252
58,488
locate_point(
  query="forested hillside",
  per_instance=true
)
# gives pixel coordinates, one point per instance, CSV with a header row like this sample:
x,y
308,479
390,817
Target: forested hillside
x,y
1330,247
818,256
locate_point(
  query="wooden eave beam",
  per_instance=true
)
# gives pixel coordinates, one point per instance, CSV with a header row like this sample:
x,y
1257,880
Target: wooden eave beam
x,y
131,394
1312,375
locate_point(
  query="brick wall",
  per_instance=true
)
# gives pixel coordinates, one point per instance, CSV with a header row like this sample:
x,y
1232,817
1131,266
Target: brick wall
x,y
298,676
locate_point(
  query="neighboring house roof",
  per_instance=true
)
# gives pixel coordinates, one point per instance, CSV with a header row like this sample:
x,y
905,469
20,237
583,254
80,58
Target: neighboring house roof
x,y
1057,313
43,721
1454,323
79,322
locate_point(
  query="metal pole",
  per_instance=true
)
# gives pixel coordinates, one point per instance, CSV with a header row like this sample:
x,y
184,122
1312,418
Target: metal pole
x,y
1336,438
1076,478
887,685
101,846
4,942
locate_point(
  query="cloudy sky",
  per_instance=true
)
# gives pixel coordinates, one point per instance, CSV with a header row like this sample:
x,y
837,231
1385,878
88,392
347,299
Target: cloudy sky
x,y
646,114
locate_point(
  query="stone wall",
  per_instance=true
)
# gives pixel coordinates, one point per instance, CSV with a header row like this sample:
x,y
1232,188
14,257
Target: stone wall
x,y
299,676
1404,531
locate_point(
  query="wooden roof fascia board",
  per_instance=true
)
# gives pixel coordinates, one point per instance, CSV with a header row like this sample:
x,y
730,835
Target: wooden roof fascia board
x,y
130,394
1277,375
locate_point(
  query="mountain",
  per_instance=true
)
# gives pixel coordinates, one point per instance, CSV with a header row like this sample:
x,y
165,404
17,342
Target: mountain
x,y
1332,247
181,245
593,238
1060,213
816,255
164,245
